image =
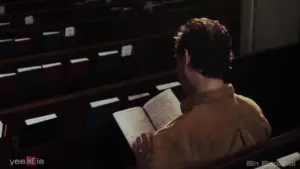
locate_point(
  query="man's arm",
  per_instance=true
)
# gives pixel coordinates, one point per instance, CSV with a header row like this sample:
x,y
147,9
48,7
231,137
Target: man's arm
x,y
163,149
155,151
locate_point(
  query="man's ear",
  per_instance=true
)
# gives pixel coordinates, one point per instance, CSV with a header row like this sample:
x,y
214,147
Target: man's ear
x,y
187,58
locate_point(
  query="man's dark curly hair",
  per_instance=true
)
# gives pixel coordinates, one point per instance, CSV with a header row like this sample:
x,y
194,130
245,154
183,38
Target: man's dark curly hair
x,y
208,44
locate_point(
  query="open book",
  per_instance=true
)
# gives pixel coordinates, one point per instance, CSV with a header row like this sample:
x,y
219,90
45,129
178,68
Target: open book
x,y
154,115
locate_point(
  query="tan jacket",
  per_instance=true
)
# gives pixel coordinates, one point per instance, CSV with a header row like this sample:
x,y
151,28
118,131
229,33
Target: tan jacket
x,y
215,124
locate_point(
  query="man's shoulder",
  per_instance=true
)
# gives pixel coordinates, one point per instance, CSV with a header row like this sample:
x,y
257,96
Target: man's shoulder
x,y
254,111
247,102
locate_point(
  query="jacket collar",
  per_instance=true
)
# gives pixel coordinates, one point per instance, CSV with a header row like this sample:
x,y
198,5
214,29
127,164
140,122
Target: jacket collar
x,y
207,96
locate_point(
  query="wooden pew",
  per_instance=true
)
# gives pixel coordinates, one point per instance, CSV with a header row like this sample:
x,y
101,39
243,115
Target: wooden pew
x,y
242,76
90,142
35,6
90,11
268,152
15,7
42,108
94,32
158,21
143,24
142,45
68,15
57,40
63,106
124,60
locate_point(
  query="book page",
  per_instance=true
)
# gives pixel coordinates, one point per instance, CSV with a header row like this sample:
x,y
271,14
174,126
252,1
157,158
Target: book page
x,y
29,20
138,96
2,10
78,60
126,50
25,69
167,86
163,108
7,75
40,119
133,122
70,31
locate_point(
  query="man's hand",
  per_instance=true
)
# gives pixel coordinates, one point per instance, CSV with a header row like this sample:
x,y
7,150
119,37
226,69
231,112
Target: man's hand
x,y
141,149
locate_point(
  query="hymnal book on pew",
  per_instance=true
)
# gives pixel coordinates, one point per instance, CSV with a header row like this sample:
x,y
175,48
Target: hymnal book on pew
x,y
154,115
29,20
2,10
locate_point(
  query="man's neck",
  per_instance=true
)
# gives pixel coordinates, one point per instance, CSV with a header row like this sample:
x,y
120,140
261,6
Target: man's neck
x,y
208,84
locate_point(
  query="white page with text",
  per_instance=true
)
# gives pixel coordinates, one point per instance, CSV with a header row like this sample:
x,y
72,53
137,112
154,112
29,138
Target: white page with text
x,y
163,108
133,122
